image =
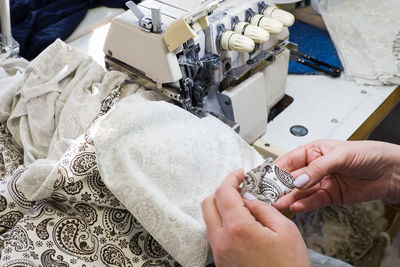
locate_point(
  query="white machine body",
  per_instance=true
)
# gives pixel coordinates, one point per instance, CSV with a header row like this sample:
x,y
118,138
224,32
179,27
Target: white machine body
x,y
210,57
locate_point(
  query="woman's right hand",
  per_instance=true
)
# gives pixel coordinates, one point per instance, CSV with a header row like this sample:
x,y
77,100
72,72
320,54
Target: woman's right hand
x,y
341,172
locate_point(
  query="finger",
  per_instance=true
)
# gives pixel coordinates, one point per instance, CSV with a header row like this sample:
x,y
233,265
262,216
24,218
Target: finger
x,y
315,201
234,179
319,168
298,172
293,160
302,156
284,202
211,215
266,214
228,200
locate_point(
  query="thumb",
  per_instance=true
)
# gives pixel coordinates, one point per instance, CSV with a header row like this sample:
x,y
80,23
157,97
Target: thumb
x,y
318,169
266,214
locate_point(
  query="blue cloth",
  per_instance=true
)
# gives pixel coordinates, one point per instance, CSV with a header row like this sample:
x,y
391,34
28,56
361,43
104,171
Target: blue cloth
x,y
314,42
38,23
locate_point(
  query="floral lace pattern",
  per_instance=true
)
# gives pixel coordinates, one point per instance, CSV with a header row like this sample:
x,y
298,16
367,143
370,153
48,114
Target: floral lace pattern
x,y
365,34
161,162
78,221
81,223
396,49
122,188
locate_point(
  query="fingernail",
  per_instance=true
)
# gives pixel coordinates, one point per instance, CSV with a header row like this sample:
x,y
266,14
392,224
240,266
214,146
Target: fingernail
x,y
301,181
249,196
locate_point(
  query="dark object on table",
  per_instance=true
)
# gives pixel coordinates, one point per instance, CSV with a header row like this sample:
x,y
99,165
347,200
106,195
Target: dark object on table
x,y
38,23
314,63
315,42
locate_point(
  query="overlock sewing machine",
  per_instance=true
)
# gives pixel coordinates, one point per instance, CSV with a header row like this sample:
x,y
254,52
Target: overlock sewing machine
x,y
224,58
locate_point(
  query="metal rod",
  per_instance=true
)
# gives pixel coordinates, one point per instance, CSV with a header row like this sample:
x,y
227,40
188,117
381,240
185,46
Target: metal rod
x,y
156,19
135,10
5,22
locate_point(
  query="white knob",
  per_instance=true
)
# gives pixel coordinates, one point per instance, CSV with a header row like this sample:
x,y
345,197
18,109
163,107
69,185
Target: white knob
x,y
255,33
271,25
236,42
283,16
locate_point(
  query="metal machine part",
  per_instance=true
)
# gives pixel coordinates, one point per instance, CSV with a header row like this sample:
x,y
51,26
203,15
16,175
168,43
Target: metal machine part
x,y
152,24
207,58
8,45
156,20
314,63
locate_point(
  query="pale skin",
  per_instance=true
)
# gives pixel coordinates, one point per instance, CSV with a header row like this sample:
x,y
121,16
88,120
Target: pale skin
x,y
342,172
251,233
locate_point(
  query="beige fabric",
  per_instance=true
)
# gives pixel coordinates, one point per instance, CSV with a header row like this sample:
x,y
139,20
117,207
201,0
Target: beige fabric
x,y
11,79
366,34
157,159
161,162
60,96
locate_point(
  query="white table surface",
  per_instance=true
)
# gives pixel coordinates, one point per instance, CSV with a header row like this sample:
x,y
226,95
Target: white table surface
x,y
330,108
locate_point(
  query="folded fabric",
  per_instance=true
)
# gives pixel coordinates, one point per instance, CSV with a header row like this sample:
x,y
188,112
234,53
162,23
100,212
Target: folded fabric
x,y
128,189
267,182
77,221
38,23
58,98
161,162
11,79
366,34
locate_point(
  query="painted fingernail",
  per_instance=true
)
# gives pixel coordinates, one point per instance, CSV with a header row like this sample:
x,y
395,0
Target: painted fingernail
x,y
249,196
301,181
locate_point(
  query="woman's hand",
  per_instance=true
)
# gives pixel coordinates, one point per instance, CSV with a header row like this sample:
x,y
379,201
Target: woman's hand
x,y
341,172
250,232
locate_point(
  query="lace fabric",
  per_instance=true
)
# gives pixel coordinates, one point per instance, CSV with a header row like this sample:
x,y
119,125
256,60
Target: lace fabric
x,y
161,162
72,219
124,190
366,34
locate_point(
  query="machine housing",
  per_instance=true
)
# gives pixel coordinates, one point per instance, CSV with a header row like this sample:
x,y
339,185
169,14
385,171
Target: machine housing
x,y
187,51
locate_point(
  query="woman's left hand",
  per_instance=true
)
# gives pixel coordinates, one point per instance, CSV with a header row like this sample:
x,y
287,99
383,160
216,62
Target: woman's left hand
x,y
250,232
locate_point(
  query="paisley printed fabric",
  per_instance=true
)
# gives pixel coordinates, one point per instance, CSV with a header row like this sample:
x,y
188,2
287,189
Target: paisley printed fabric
x,y
122,188
80,224
77,221
267,182
161,162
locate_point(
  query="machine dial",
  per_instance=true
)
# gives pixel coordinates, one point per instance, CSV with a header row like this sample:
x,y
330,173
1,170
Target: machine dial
x,y
231,40
257,34
286,18
271,25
